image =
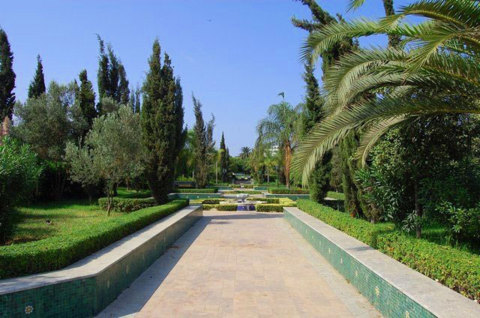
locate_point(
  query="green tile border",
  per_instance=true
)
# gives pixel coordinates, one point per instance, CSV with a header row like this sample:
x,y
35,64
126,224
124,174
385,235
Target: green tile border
x,y
389,300
87,295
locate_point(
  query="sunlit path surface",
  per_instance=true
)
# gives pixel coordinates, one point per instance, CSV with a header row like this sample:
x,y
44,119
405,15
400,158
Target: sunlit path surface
x,y
238,264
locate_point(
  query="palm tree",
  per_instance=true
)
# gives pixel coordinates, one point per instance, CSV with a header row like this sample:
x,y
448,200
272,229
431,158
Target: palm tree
x,y
245,152
436,70
281,128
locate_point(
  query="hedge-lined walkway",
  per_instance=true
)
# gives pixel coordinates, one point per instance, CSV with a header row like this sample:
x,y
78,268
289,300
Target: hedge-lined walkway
x,y
243,265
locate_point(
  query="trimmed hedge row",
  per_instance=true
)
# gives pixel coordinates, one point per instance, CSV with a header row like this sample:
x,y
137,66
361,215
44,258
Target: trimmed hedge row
x,y
287,191
190,190
243,192
126,205
456,269
220,207
56,252
274,205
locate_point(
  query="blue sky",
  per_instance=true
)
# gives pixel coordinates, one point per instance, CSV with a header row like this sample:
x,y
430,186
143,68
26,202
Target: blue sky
x,y
234,55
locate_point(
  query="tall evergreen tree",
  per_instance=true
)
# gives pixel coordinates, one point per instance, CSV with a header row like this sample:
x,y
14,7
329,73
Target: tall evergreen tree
x,y
135,99
181,131
7,77
159,124
223,159
203,144
111,76
37,86
86,99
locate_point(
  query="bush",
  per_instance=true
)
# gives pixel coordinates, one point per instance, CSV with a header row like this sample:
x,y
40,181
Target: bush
x,y
220,207
275,205
56,252
287,191
126,205
211,201
464,224
19,172
243,192
459,270
204,190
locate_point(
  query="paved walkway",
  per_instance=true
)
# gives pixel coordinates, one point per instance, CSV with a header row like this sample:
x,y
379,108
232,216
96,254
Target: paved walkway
x,y
240,264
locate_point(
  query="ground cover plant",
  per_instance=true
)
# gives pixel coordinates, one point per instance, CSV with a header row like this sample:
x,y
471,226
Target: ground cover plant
x,y
274,205
287,191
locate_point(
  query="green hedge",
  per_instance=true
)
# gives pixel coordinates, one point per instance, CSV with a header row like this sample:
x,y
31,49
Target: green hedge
x,y
287,191
205,190
127,205
56,252
220,207
243,192
274,205
211,201
459,270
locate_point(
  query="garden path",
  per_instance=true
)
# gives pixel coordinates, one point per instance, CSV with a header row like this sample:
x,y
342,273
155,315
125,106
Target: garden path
x,y
241,264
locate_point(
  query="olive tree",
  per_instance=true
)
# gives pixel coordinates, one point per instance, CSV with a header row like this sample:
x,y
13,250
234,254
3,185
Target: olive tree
x,y
112,152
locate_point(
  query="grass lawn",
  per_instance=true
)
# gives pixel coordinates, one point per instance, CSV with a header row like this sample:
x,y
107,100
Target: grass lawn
x,y
44,220
336,195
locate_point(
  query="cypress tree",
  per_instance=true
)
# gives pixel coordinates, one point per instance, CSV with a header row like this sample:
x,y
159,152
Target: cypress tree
x,y
7,78
111,77
37,86
86,99
201,145
159,124
223,159
181,131
135,100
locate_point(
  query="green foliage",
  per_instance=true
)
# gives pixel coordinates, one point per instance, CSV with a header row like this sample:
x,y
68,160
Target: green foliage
x,y
359,229
223,160
111,151
211,201
56,252
220,207
47,123
133,194
275,205
162,121
464,223
37,86
281,128
19,174
204,190
454,268
243,192
126,204
203,144
112,79
336,195
287,191
7,77
86,100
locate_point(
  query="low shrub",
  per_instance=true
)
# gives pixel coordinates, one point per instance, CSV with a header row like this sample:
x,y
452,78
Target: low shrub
x,y
211,201
287,191
126,205
456,269
204,190
133,194
274,205
220,207
243,192
56,252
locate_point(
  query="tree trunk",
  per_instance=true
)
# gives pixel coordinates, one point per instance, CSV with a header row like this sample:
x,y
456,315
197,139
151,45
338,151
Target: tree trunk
x,y
418,212
288,159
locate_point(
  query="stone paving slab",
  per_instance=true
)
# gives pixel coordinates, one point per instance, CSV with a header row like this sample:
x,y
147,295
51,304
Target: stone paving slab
x,y
241,264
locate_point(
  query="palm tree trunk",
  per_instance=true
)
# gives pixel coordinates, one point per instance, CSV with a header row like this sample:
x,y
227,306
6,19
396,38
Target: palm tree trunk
x,y
288,160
